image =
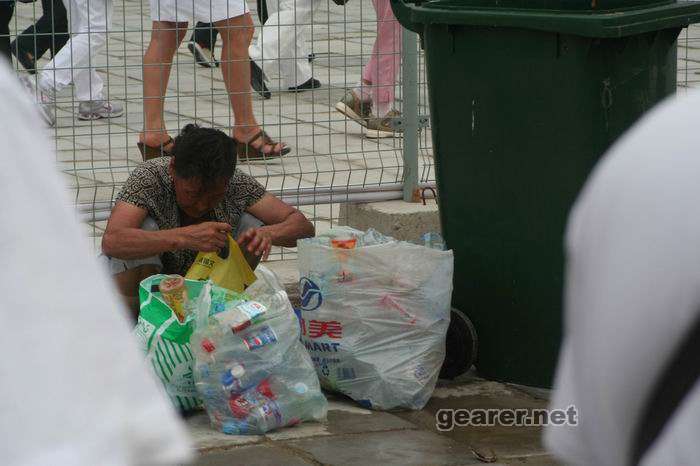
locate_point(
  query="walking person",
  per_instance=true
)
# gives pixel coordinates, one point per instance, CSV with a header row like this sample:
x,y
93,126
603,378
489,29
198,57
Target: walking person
x,y
371,102
49,32
90,20
233,21
282,47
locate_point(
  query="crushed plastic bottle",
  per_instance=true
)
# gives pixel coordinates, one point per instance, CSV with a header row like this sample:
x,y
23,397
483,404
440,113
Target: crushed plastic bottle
x,y
285,405
241,315
252,372
380,337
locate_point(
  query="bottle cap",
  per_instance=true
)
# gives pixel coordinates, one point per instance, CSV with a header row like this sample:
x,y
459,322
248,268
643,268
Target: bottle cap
x,y
208,346
265,389
237,371
226,378
300,388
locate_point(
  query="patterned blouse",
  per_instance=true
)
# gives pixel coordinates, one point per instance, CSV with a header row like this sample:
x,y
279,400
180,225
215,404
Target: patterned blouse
x,y
150,187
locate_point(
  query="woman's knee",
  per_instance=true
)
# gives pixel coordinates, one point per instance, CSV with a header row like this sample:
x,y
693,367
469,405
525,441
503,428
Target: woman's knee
x,y
238,32
167,36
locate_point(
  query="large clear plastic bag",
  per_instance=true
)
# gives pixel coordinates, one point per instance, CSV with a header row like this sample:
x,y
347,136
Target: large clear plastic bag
x,y
374,315
251,371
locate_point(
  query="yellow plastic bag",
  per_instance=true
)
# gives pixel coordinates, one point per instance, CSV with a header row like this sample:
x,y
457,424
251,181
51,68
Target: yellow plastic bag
x,y
227,268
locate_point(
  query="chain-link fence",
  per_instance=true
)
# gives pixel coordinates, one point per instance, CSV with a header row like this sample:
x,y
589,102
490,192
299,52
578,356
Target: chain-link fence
x,y
332,159
689,58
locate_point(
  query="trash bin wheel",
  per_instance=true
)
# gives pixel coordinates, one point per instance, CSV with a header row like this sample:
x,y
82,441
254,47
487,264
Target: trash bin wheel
x,y
461,346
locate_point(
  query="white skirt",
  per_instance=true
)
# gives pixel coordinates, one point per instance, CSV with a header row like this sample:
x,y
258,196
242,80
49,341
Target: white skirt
x,y
207,11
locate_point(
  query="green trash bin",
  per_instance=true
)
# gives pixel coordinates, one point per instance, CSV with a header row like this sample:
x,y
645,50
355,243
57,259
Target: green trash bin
x,y
525,96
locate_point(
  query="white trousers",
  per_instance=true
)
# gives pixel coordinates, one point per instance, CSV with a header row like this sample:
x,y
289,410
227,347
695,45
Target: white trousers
x,y
75,62
281,47
206,11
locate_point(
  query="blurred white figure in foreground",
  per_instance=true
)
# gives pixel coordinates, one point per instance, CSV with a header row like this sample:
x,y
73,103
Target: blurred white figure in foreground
x,y
633,300
75,389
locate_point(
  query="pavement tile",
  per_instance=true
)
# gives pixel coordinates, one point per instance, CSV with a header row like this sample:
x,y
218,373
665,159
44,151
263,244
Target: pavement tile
x,y
400,448
343,422
253,455
503,441
205,438
341,38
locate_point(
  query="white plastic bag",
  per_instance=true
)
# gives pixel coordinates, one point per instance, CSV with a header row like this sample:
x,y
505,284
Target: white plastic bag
x,y
374,316
251,371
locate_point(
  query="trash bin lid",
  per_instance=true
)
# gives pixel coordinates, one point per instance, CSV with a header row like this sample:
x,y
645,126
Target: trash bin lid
x,y
589,18
562,5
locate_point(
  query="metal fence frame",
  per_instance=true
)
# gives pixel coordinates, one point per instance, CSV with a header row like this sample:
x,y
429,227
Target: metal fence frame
x,y
100,155
410,160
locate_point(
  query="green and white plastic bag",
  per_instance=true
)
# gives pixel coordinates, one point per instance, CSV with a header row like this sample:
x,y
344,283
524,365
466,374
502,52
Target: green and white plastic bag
x,y
166,342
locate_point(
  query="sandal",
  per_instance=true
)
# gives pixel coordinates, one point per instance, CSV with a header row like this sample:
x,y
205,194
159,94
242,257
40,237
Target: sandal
x,y
151,152
246,152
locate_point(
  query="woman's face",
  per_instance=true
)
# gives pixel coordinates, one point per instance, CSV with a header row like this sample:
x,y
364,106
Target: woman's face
x,y
195,201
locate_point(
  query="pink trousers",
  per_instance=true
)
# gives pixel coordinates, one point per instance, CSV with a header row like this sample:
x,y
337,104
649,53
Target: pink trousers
x,y
386,56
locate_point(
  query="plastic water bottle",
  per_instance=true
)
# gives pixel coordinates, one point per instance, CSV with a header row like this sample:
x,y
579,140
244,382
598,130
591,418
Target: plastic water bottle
x,y
241,315
284,405
236,427
235,379
215,401
260,338
243,404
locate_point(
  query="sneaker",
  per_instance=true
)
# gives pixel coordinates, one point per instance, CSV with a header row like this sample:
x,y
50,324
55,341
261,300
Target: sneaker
x,y
45,99
352,107
202,55
96,109
381,127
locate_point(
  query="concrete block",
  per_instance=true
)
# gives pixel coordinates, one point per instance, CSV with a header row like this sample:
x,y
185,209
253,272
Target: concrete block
x,y
401,220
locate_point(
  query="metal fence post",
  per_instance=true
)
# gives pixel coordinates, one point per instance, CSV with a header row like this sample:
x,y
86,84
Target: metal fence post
x,y
409,73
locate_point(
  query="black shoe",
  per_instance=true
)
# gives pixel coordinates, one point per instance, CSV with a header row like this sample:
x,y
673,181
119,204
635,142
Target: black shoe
x,y
27,62
203,56
312,83
257,80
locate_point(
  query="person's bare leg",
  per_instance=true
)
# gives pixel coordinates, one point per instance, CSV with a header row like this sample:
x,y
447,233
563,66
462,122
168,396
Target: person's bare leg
x,y
128,285
236,34
157,62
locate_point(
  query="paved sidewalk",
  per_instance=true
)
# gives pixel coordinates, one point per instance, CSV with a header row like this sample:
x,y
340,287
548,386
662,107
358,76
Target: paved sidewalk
x,y
328,149
354,435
